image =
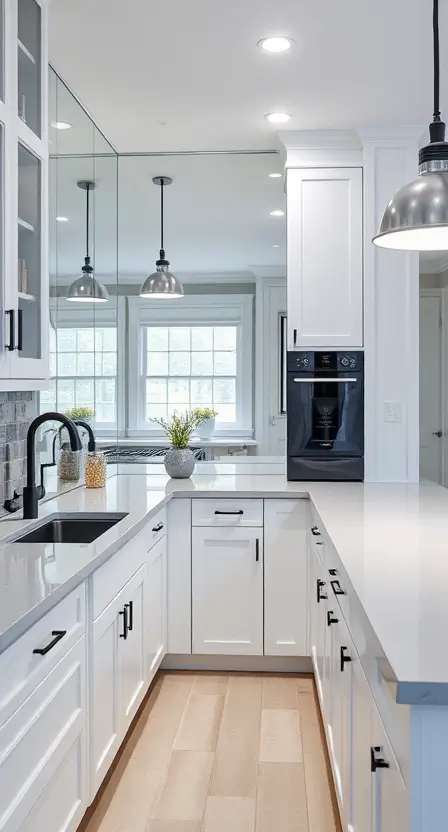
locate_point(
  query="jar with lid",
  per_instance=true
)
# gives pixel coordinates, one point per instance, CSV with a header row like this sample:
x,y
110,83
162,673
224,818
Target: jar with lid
x,y
69,463
95,470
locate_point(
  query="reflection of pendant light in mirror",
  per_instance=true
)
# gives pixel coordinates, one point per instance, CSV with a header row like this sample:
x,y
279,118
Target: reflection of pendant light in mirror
x,y
416,219
87,289
162,284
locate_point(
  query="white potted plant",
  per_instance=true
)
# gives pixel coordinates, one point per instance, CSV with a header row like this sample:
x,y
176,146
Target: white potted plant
x,y
179,460
205,421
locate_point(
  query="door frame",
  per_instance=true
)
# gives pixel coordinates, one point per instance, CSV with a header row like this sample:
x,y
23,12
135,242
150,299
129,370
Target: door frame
x,y
442,293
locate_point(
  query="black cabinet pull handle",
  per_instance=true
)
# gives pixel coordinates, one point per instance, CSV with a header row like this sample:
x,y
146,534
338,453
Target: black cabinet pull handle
x,y
377,762
123,612
130,620
344,658
257,550
295,336
337,588
315,531
19,330
333,572
320,597
331,618
58,634
319,542
12,335
158,528
240,511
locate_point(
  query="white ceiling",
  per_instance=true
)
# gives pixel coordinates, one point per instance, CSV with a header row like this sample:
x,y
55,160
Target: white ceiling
x,y
217,216
187,74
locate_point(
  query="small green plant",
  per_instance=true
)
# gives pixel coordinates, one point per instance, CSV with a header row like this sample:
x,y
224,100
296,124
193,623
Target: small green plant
x,y
85,413
178,428
203,414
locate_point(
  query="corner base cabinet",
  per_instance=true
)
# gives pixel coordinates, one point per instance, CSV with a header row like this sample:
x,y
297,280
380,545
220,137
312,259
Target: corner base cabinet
x,y
324,258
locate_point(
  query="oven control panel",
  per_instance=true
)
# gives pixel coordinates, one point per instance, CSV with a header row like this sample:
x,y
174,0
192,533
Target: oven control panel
x,y
336,362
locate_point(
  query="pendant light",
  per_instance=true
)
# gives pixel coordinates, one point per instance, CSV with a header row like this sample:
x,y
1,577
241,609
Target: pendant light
x,y
416,219
87,289
162,284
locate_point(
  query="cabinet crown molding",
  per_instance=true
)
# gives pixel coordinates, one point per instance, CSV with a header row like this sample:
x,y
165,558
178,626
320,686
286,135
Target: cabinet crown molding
x,y
393,135
321,148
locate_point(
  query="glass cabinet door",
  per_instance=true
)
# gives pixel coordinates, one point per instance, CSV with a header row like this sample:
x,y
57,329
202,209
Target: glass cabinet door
x,y
29,64
28,336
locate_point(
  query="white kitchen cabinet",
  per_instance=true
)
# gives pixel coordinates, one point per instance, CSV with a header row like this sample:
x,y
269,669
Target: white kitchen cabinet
x,y
179,577
227,590
317,600
337,700
118,673
390,809
155,608
43,746
285,579
24,291
324,258
361,743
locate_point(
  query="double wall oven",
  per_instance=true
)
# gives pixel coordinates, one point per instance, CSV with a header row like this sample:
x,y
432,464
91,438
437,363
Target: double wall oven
x,y
325,416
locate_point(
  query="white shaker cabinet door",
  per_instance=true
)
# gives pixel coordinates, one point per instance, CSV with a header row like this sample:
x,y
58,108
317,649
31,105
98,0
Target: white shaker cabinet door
x,y
155,607
324,258
318,593
227,582
131,656
285,595
389,794
361,742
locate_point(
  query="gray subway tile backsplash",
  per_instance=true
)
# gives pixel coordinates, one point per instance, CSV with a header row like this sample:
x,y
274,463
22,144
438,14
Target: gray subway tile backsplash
x,y
17,410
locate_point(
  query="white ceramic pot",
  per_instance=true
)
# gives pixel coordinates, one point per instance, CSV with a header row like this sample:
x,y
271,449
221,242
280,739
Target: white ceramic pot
x,y
205,429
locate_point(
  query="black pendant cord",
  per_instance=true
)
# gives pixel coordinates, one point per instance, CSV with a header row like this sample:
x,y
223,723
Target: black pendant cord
x,y
435,28
87,222
162,250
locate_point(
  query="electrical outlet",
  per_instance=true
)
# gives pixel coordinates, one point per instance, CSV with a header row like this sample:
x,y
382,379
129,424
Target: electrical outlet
x,y
392,412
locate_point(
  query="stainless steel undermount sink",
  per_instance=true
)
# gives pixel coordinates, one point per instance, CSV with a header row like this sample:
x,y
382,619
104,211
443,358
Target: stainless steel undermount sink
x,y
67,528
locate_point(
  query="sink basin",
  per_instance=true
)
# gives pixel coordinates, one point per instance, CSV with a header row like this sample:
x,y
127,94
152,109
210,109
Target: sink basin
x,y
79,528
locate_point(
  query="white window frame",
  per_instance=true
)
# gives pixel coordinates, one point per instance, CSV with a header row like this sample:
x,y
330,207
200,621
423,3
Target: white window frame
x,y
194,310
64,316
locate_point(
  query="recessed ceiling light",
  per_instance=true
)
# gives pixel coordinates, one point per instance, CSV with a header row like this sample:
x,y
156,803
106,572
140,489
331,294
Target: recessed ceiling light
x,y
61,219
275,44
277,118
275,176
277,213
61,125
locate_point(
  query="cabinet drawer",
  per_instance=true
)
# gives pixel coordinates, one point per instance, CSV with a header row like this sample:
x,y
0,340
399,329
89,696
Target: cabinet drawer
x,y
155,530
21,670
227,513
39,734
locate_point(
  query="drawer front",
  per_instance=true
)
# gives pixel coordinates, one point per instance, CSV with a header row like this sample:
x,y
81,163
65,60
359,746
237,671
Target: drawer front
x,y
227,512
38,735
22,670
155,530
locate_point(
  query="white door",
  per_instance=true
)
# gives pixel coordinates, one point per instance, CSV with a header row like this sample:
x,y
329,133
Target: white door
x,y
361,743
324,258
431,423
227,582
389,795
131,655
105,732
285,595
155,607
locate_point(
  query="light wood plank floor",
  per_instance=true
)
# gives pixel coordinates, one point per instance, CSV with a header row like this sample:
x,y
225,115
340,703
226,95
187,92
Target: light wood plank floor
x,y
221,753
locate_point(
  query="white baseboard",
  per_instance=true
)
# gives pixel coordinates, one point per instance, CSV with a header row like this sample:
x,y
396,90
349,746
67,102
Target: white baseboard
x,y
248,664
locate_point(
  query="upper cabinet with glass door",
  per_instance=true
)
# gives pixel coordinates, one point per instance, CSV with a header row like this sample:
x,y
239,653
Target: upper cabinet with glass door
x,y
23,124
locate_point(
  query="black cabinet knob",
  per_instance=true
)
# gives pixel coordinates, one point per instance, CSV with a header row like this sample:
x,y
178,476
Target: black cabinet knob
x,y
331,618
315,531
337,588
320,596
158,528
333,572
375,761
344,658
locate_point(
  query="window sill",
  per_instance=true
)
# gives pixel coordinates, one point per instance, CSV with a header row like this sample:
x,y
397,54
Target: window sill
x,y
196,442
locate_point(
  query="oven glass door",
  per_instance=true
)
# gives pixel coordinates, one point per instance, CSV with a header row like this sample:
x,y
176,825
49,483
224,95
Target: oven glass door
x,y
325,415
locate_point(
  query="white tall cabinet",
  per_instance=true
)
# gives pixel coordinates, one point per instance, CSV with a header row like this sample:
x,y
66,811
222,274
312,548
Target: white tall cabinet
x,y
324,257
24,214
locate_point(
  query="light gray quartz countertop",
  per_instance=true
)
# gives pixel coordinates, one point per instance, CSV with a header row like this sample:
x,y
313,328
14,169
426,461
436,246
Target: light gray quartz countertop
x,y
391,540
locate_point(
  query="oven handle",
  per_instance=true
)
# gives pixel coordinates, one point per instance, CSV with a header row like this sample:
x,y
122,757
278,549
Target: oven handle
x,y
330,380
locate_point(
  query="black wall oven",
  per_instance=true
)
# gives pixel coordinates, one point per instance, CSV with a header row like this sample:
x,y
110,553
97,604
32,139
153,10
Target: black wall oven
x,y
325,416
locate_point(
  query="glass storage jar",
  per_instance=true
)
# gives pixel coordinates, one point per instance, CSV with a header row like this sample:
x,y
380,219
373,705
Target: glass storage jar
x,y
69,464
95,470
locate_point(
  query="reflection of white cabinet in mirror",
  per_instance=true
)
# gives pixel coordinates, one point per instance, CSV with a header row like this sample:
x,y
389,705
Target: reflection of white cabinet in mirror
x,y
24,140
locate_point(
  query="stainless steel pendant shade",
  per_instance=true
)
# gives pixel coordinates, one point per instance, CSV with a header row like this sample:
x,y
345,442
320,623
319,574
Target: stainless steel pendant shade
x,y
162,284
416,218
87,289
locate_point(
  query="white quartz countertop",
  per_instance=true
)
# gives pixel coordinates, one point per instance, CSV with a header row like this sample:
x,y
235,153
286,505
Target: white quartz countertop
x,y
391,539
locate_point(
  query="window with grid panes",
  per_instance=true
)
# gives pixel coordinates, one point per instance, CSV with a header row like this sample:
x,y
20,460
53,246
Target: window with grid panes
x,y
83,372
190,366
